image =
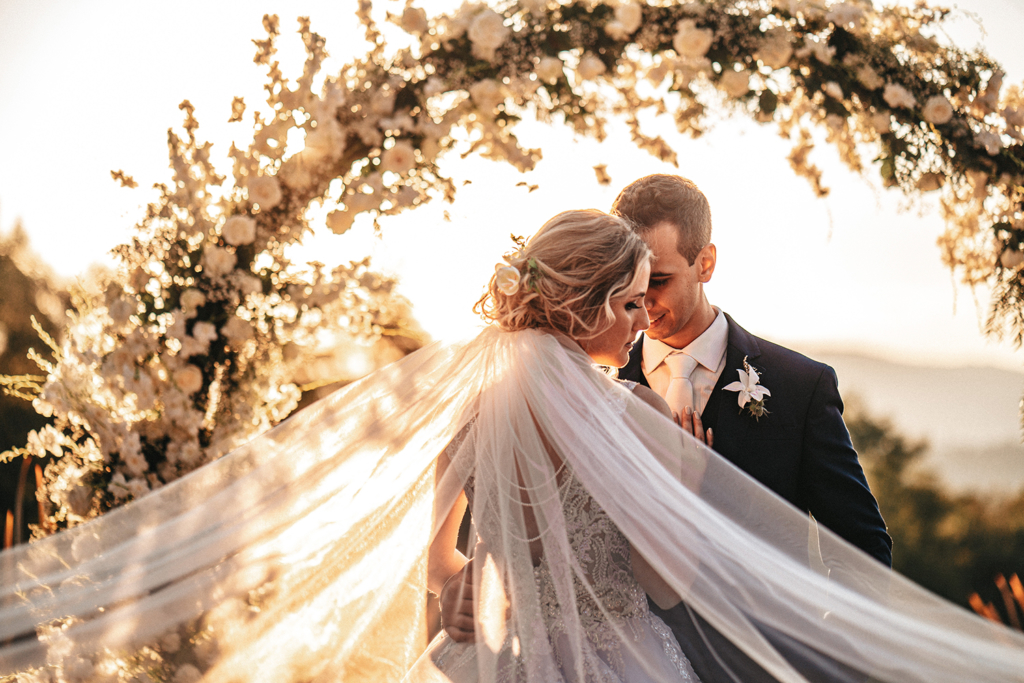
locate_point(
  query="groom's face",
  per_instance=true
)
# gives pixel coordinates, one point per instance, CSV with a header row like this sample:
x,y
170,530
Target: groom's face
x,y
675,296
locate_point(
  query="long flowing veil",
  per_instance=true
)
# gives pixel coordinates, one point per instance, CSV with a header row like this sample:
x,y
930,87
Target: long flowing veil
x,y
302,556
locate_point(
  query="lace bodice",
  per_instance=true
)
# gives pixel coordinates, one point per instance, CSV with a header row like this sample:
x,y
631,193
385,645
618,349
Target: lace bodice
x,y
609,600
604,555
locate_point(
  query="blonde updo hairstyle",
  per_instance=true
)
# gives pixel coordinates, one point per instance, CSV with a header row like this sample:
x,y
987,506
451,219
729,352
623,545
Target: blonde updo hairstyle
x,y
569,272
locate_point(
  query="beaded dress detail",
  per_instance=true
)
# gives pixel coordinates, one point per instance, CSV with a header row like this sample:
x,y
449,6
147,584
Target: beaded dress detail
x,y
611,605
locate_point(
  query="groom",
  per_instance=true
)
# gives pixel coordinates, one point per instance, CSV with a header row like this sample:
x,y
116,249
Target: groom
x,y
800,448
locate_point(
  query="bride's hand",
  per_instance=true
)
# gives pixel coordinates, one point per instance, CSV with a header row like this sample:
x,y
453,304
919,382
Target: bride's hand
x,y
691,424
456,602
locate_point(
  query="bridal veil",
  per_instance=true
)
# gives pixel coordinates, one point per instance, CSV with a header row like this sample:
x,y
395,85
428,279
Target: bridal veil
x,y
302,556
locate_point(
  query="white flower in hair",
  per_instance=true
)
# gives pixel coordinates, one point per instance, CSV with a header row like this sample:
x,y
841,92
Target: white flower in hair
x,y
507,278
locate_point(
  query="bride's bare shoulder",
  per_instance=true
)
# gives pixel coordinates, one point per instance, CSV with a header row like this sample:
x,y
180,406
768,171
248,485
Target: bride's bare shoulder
x,y
647,395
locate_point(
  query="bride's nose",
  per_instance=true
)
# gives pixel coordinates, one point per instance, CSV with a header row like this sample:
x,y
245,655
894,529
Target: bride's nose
x,y
643,321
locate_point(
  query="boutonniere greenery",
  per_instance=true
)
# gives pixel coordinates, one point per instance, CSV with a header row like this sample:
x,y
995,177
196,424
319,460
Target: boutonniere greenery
x,y
751,394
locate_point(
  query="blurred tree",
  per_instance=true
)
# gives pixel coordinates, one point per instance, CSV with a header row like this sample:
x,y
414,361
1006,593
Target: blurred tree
x,y
28,288
952,544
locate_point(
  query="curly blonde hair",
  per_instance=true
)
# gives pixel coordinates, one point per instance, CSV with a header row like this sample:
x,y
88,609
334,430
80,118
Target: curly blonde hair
x,y
569,271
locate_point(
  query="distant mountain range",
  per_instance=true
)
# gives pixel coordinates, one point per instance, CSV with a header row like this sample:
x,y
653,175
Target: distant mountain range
x,y
968,415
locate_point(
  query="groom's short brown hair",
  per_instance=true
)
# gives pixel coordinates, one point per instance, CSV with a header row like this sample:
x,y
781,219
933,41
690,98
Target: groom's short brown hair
x,y
660,198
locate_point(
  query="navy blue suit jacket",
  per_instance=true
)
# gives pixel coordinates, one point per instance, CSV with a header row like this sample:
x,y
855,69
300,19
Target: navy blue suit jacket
x,y
802,451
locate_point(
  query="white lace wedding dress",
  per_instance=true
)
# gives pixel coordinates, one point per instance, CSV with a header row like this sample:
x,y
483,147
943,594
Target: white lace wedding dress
x,y
610,604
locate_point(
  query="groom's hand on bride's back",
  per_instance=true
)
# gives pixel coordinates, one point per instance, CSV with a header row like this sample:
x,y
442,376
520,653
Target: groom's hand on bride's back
x,y
456,602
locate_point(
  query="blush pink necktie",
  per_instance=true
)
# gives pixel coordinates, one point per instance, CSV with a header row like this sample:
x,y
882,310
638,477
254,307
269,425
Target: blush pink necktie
x,y
680,390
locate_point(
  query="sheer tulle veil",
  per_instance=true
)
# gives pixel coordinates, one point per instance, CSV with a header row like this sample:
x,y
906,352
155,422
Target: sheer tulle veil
x,y
302,556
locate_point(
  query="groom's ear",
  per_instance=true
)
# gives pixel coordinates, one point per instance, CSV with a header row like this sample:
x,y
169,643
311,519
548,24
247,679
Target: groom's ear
x,y
706,260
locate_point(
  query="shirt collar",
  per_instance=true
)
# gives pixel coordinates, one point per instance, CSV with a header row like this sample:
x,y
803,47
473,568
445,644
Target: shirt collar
x,y
707,349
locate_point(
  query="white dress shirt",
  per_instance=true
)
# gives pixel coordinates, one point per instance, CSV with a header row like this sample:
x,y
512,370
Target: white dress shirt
x,y
708,350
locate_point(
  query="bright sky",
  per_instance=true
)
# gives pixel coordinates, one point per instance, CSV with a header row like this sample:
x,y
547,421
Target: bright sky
x,y
90,87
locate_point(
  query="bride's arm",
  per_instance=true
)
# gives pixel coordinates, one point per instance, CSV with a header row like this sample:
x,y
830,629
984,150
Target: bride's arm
x,y
444,560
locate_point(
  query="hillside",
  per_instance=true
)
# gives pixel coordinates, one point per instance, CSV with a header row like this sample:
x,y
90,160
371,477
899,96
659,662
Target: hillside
x,y
968,415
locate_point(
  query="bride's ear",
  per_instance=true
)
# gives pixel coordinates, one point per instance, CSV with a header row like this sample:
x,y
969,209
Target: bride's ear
x,y
706,260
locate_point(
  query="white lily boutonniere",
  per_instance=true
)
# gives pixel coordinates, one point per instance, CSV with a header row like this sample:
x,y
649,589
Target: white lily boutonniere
x,y
751,394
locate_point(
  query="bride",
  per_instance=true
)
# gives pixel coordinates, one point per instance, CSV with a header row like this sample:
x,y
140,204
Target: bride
x,y
306,554
580,280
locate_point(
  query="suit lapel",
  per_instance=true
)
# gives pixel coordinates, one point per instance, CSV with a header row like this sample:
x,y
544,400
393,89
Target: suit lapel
x,y
721,412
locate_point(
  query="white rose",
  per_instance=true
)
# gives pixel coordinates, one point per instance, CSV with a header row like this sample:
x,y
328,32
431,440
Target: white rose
x,y
628,17
204,331
239,230
414,20
399,159
487,33
930,182
691,41
869,79
486,95
833,90
776,50
549,70
506,278
189,379
265,191
590,67
937,110
191,299
895,95
735,83
990,141
217,261
237,330
339,222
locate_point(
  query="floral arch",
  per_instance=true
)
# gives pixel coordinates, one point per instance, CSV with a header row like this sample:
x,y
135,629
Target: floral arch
x,y
194,346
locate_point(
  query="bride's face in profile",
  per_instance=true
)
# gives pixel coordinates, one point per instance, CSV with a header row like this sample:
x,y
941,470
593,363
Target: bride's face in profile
x,y
612,346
